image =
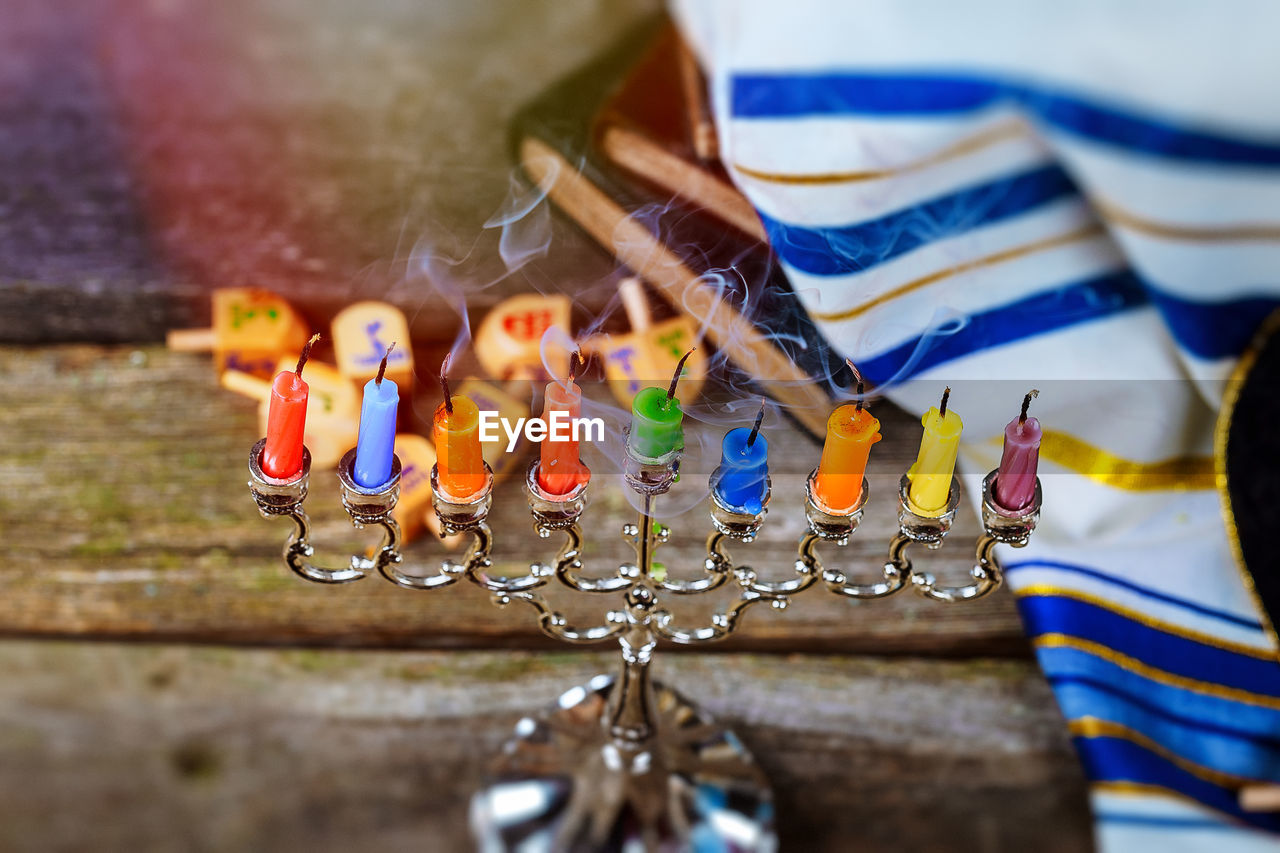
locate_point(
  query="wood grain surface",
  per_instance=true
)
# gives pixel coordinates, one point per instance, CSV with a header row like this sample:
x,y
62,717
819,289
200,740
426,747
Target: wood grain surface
x,y
151,151
158,748
126,515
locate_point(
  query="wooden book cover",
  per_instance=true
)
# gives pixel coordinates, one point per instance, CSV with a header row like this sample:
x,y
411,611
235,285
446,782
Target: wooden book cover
x,y
726,279
649,128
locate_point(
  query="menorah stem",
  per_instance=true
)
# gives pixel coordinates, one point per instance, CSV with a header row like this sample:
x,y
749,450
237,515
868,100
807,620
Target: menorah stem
x,y
631,712
631,709
644,550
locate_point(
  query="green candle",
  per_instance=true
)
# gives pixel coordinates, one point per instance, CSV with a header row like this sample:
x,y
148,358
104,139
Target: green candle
x,y
655,423
656,418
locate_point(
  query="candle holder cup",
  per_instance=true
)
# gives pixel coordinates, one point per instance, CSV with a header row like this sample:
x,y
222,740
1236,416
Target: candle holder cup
x,y
367,505
734,521
831,524
624,761
276,496
554,512
1009,527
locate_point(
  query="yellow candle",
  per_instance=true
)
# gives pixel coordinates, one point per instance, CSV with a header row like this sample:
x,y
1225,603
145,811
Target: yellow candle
x,y
851,430
930,476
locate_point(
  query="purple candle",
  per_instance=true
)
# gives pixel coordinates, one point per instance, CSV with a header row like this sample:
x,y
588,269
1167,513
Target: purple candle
x,y
1015,484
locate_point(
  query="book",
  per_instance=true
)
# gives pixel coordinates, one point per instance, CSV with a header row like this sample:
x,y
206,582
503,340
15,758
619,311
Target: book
x,y
649,128
726,279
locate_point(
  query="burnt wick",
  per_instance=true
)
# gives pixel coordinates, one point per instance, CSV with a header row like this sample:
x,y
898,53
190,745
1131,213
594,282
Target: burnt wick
x,y
860,385
946,395
675,378
444,383
382,368
575,364
306,352
755,429
1026,404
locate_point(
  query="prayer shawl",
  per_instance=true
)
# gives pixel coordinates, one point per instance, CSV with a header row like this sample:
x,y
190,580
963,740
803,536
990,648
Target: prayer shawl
x,y
1084,198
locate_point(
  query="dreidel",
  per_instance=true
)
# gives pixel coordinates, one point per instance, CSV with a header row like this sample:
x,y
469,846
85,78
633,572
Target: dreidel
x,y
333,408
649,353
361,334
489,397
414,511
251,329
509,340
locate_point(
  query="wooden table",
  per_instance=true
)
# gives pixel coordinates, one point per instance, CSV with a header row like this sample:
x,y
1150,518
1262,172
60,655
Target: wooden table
x,y
901,724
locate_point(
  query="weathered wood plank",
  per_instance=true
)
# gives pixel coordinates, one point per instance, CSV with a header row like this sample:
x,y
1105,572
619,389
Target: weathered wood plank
x,y
154,151
126,515
139,748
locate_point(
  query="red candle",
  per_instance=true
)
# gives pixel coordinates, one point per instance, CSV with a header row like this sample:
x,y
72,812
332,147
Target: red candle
x,y
560,468
286,420
1015,484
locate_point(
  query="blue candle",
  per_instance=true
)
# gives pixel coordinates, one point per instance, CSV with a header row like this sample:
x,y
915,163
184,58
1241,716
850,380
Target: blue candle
x,y
376,445
744,470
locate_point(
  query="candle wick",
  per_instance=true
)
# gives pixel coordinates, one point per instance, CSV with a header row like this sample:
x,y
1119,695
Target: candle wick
x,y
946,395
444,383
382,368
575,364
755,430
859,384
671,392
306,351
1026,403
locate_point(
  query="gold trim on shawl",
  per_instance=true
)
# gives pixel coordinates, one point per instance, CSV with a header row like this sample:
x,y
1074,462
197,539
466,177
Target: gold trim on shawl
x,y
1208,688
1045,590
1010,254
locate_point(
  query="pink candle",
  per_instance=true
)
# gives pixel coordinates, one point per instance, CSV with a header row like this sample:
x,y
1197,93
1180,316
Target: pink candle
x,y
560,469
1015,484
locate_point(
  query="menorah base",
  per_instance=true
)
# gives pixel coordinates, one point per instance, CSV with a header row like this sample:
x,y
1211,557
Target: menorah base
x,y
565,783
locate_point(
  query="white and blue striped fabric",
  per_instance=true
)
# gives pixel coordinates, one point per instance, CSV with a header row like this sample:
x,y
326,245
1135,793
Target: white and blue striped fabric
x,y
1085,197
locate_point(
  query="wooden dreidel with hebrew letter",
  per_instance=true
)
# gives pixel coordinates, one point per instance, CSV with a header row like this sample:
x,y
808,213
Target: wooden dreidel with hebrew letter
x,y
414,511
361,334
509,340
252,328
649,353
489,397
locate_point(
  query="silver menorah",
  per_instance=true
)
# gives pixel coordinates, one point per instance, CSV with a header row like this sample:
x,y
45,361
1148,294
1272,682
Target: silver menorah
x,y
625,762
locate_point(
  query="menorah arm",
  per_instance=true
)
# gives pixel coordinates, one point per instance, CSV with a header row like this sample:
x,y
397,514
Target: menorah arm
x,y
298,552
568,566
986,574
722,624
276,497
717,569
553,623
895,571
747,577
1000,526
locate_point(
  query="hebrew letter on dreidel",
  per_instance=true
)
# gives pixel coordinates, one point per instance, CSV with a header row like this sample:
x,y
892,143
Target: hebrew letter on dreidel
x,y
509,340
361,334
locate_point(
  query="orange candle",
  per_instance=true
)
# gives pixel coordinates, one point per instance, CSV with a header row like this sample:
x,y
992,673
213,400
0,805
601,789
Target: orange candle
x,y
560,468
455,431
851,430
